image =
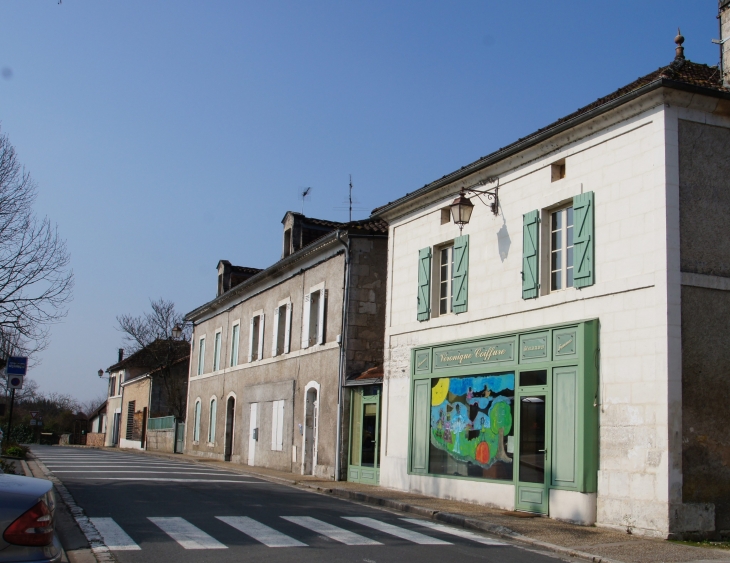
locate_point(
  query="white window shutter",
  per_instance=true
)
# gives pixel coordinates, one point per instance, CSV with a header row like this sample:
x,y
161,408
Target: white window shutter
x,y
280,427
287,328
275,339
320,325
250,340
274,423
261,336
305,321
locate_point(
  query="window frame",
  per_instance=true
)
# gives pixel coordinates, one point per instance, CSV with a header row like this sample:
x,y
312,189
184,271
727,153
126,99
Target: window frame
x,y
281,341
201,355
235,342
316,325
212,416
197,409
256,336
217,346
546,250
437,282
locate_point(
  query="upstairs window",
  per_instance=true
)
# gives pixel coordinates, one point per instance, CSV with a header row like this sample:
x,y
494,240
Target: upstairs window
x,y
561,249
235,333
256,337
313,318
282,329
217,351
112,386
449,290
446,279
201,356
211,421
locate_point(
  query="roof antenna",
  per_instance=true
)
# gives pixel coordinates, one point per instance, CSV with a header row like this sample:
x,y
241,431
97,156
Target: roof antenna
x,y
350,198
304,195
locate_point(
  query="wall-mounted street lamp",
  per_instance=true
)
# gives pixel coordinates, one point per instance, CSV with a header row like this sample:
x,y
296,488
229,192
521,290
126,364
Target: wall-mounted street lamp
x,y
177,331
100,373
462,207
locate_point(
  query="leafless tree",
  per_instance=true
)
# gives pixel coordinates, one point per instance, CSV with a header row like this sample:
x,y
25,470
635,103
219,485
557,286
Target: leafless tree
x,y
88,407
29,391
151,334
35,279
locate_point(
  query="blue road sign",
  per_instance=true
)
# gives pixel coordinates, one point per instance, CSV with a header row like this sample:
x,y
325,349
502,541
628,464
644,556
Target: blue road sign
x,y
17,365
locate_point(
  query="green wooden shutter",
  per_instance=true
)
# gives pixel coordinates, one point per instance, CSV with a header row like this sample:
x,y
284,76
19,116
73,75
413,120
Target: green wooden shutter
x,y
420,425
424,284
461,274
583,240
530,248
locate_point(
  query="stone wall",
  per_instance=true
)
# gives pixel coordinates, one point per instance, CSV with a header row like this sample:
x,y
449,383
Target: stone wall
x,y
161,440
95,439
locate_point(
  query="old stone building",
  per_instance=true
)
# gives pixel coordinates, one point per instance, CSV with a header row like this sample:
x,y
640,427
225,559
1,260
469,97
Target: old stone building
x,y
273,352
562,350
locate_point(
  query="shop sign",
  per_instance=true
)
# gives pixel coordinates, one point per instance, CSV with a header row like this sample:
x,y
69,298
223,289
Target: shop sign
x,y
565,343
475,354
532,348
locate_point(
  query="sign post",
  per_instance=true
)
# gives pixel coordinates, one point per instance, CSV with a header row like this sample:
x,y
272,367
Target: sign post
x,y
16,369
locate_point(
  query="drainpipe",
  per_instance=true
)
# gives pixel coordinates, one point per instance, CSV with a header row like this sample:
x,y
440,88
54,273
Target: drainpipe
x,y
343,351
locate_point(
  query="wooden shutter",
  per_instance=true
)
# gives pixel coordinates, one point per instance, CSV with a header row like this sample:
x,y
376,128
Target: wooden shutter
x,y
583,240
420,425
424,284
280,427
250,340
321,313
275,339
530,250
305,321
461,274
261,336
274,423
287,329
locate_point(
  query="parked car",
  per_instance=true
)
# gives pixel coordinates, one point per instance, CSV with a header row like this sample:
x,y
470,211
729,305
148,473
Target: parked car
x,y
27,507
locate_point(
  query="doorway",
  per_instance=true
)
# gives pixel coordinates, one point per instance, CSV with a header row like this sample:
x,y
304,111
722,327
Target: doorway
x,y
230,417
115,428
364,455
253,433
311,424
533,461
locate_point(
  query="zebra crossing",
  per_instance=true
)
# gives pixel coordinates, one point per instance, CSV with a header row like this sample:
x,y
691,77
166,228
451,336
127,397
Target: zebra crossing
x,y
188,536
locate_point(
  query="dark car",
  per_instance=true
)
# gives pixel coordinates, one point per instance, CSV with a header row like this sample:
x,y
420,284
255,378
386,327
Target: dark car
x,y
27,508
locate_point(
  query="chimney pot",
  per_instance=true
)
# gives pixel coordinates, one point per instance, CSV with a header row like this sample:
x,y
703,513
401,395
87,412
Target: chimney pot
x,y
121,354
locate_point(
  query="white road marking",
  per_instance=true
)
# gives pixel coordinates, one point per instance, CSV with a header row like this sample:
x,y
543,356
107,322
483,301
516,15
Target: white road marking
x,y
396,531
166,479
333,532
187,535
114,537
454,531
260,532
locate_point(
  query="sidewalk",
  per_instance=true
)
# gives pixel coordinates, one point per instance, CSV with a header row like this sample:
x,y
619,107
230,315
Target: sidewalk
x,y
589,543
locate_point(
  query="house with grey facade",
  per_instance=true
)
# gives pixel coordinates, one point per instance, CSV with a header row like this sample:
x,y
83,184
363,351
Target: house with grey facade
x,y
279,353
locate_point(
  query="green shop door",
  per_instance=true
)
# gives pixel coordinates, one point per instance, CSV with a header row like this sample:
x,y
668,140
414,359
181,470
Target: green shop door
x,y
364,465
533,466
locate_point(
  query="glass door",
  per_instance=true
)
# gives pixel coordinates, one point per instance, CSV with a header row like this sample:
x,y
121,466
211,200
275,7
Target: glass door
x,y
364,462
533,466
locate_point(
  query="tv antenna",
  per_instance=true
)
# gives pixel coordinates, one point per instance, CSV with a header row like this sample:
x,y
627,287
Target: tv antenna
x,y
306,192
350,198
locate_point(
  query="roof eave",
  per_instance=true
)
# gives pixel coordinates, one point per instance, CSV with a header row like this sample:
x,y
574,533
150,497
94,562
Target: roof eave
x,y
537,138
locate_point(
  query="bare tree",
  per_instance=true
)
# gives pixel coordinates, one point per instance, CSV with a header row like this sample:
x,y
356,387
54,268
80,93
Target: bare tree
x,y
151,334
89,406
35,279
29,392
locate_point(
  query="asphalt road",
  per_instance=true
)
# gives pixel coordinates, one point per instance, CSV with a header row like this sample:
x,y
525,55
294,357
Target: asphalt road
x,y
152,509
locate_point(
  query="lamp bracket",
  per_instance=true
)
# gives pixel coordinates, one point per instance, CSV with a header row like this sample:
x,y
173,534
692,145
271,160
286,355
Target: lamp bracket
x,y
491,193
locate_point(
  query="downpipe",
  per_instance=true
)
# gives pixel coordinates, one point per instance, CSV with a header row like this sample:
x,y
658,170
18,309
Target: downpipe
x,y
343,351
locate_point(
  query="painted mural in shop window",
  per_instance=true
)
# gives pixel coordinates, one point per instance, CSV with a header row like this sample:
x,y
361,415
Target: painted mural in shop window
x,y
471,426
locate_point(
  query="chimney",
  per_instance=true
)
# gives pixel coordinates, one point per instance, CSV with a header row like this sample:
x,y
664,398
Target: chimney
x,y
724,18
224,277
121,354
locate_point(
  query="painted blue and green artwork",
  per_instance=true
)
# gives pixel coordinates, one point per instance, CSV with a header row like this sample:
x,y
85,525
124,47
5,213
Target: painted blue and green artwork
x,y
471,426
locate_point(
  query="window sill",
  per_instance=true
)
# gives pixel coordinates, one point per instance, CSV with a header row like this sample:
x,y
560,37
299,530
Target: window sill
x,y
211,444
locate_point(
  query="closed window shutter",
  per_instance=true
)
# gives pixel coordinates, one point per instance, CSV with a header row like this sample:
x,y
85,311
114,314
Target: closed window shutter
x,y
250,340
530,248
275,339
583,240
287,330
322,308
420,431
274,423
261,336
305,321
461,274
280,427
424,284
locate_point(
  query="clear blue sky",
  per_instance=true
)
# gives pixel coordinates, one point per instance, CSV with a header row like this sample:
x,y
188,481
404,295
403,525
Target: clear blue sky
x,y
165,135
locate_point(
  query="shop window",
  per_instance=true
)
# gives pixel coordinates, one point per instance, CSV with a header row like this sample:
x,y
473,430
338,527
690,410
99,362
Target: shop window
x,y
471,429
